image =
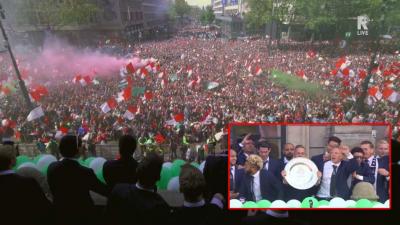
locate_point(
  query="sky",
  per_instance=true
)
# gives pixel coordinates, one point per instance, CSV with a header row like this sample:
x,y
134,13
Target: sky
x,y
199,2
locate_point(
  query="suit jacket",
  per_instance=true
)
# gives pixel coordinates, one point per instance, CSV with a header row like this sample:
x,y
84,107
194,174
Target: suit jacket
x,y
318,160
207,214
382,185
241,158
346,168
120,171
234,186
368,175
128,204
70,184
275,167
271,187
22,201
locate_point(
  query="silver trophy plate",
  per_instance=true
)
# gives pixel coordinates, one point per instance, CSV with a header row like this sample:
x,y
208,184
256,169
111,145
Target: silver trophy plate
x,y
301,173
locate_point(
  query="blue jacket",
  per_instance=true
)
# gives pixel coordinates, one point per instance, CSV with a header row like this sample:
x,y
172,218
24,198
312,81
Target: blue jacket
x,y
235,184
382,185
271,188
366,172
275,167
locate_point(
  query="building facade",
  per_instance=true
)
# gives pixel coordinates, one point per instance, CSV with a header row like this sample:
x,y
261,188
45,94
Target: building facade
x,y
229,16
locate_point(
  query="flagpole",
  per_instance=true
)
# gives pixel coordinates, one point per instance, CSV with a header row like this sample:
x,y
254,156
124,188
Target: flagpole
x,y
7,44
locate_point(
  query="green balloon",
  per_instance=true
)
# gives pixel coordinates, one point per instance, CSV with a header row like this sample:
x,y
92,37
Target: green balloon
x,y
263,204
44,170
99,175
323,202
88,161
20,160
81,161
176,167
195,164
165,176
250,204
364,203
306,203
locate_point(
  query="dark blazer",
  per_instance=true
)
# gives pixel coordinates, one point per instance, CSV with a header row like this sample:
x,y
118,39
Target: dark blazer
x,y
241,158
382,185
234,186
318,160
120,171
366,172
129,205
271,187
207,214
345,169
70,184
275,167
22,201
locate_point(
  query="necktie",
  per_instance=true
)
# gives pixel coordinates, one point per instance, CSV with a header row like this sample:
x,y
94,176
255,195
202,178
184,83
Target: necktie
x,y
253,196
265,165
333,182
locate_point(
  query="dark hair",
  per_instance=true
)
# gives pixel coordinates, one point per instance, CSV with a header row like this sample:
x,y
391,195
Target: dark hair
x,y
367,143
192,182
264,144
335,139
148,171
127,145
299,146
357,149
69,146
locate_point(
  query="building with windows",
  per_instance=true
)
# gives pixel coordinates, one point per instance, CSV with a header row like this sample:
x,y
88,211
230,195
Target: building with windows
x,y
229,16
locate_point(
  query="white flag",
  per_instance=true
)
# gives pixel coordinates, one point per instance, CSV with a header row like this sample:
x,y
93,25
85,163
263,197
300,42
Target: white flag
x,y
129,115
105,107
35,113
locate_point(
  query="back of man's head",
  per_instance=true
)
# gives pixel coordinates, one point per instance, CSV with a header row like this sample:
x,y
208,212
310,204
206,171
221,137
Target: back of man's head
x,y
7,157
69,146
127,145
192,183
148,171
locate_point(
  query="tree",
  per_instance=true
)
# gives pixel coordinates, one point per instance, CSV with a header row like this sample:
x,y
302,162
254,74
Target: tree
x,y
207,16
181,8
55,14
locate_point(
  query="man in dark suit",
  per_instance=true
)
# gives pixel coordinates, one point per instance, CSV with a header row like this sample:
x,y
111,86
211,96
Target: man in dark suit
x,y
71,183
139,203
288,151
363,173
269,164
335,173
380,169
320,159
21,198
235,175
257,183
195,209
248,148
122,170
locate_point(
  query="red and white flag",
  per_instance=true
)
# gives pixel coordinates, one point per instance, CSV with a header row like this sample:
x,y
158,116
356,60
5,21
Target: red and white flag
x,y
124,95
374,92
130,112
390,95
258,71
109,105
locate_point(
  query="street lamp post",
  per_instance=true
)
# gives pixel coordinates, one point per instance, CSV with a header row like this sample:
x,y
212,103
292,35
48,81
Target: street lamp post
x,y
7,44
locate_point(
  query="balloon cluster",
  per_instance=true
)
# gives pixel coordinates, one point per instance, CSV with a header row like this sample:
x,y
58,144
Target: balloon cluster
x,y
309,202
170,174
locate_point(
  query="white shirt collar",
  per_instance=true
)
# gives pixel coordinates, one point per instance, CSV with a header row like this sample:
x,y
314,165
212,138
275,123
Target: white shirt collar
x,y
256,175
371,158
7,172
266,160
142,188
194,204
285,160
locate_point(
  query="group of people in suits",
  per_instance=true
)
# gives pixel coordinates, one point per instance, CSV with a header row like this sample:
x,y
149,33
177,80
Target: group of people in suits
x,y
130,189
254,175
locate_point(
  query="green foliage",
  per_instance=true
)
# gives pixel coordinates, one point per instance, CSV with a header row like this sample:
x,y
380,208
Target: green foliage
x,y
54,14
295,83
181,8
207,15
260,13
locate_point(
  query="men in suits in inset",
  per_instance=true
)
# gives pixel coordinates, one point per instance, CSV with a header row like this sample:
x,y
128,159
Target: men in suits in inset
x,y
319,160
269,164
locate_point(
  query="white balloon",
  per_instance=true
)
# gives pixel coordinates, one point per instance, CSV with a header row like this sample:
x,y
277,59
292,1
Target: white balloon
x,y
27,164
45,160
97,164
294,203
173,184
387,203
337,203
201,167
234,203
278,204
350,203
379,205
167,165
324,206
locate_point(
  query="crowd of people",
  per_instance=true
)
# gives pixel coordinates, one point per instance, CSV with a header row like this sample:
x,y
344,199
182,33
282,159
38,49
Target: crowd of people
x,y
256,176
240,72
